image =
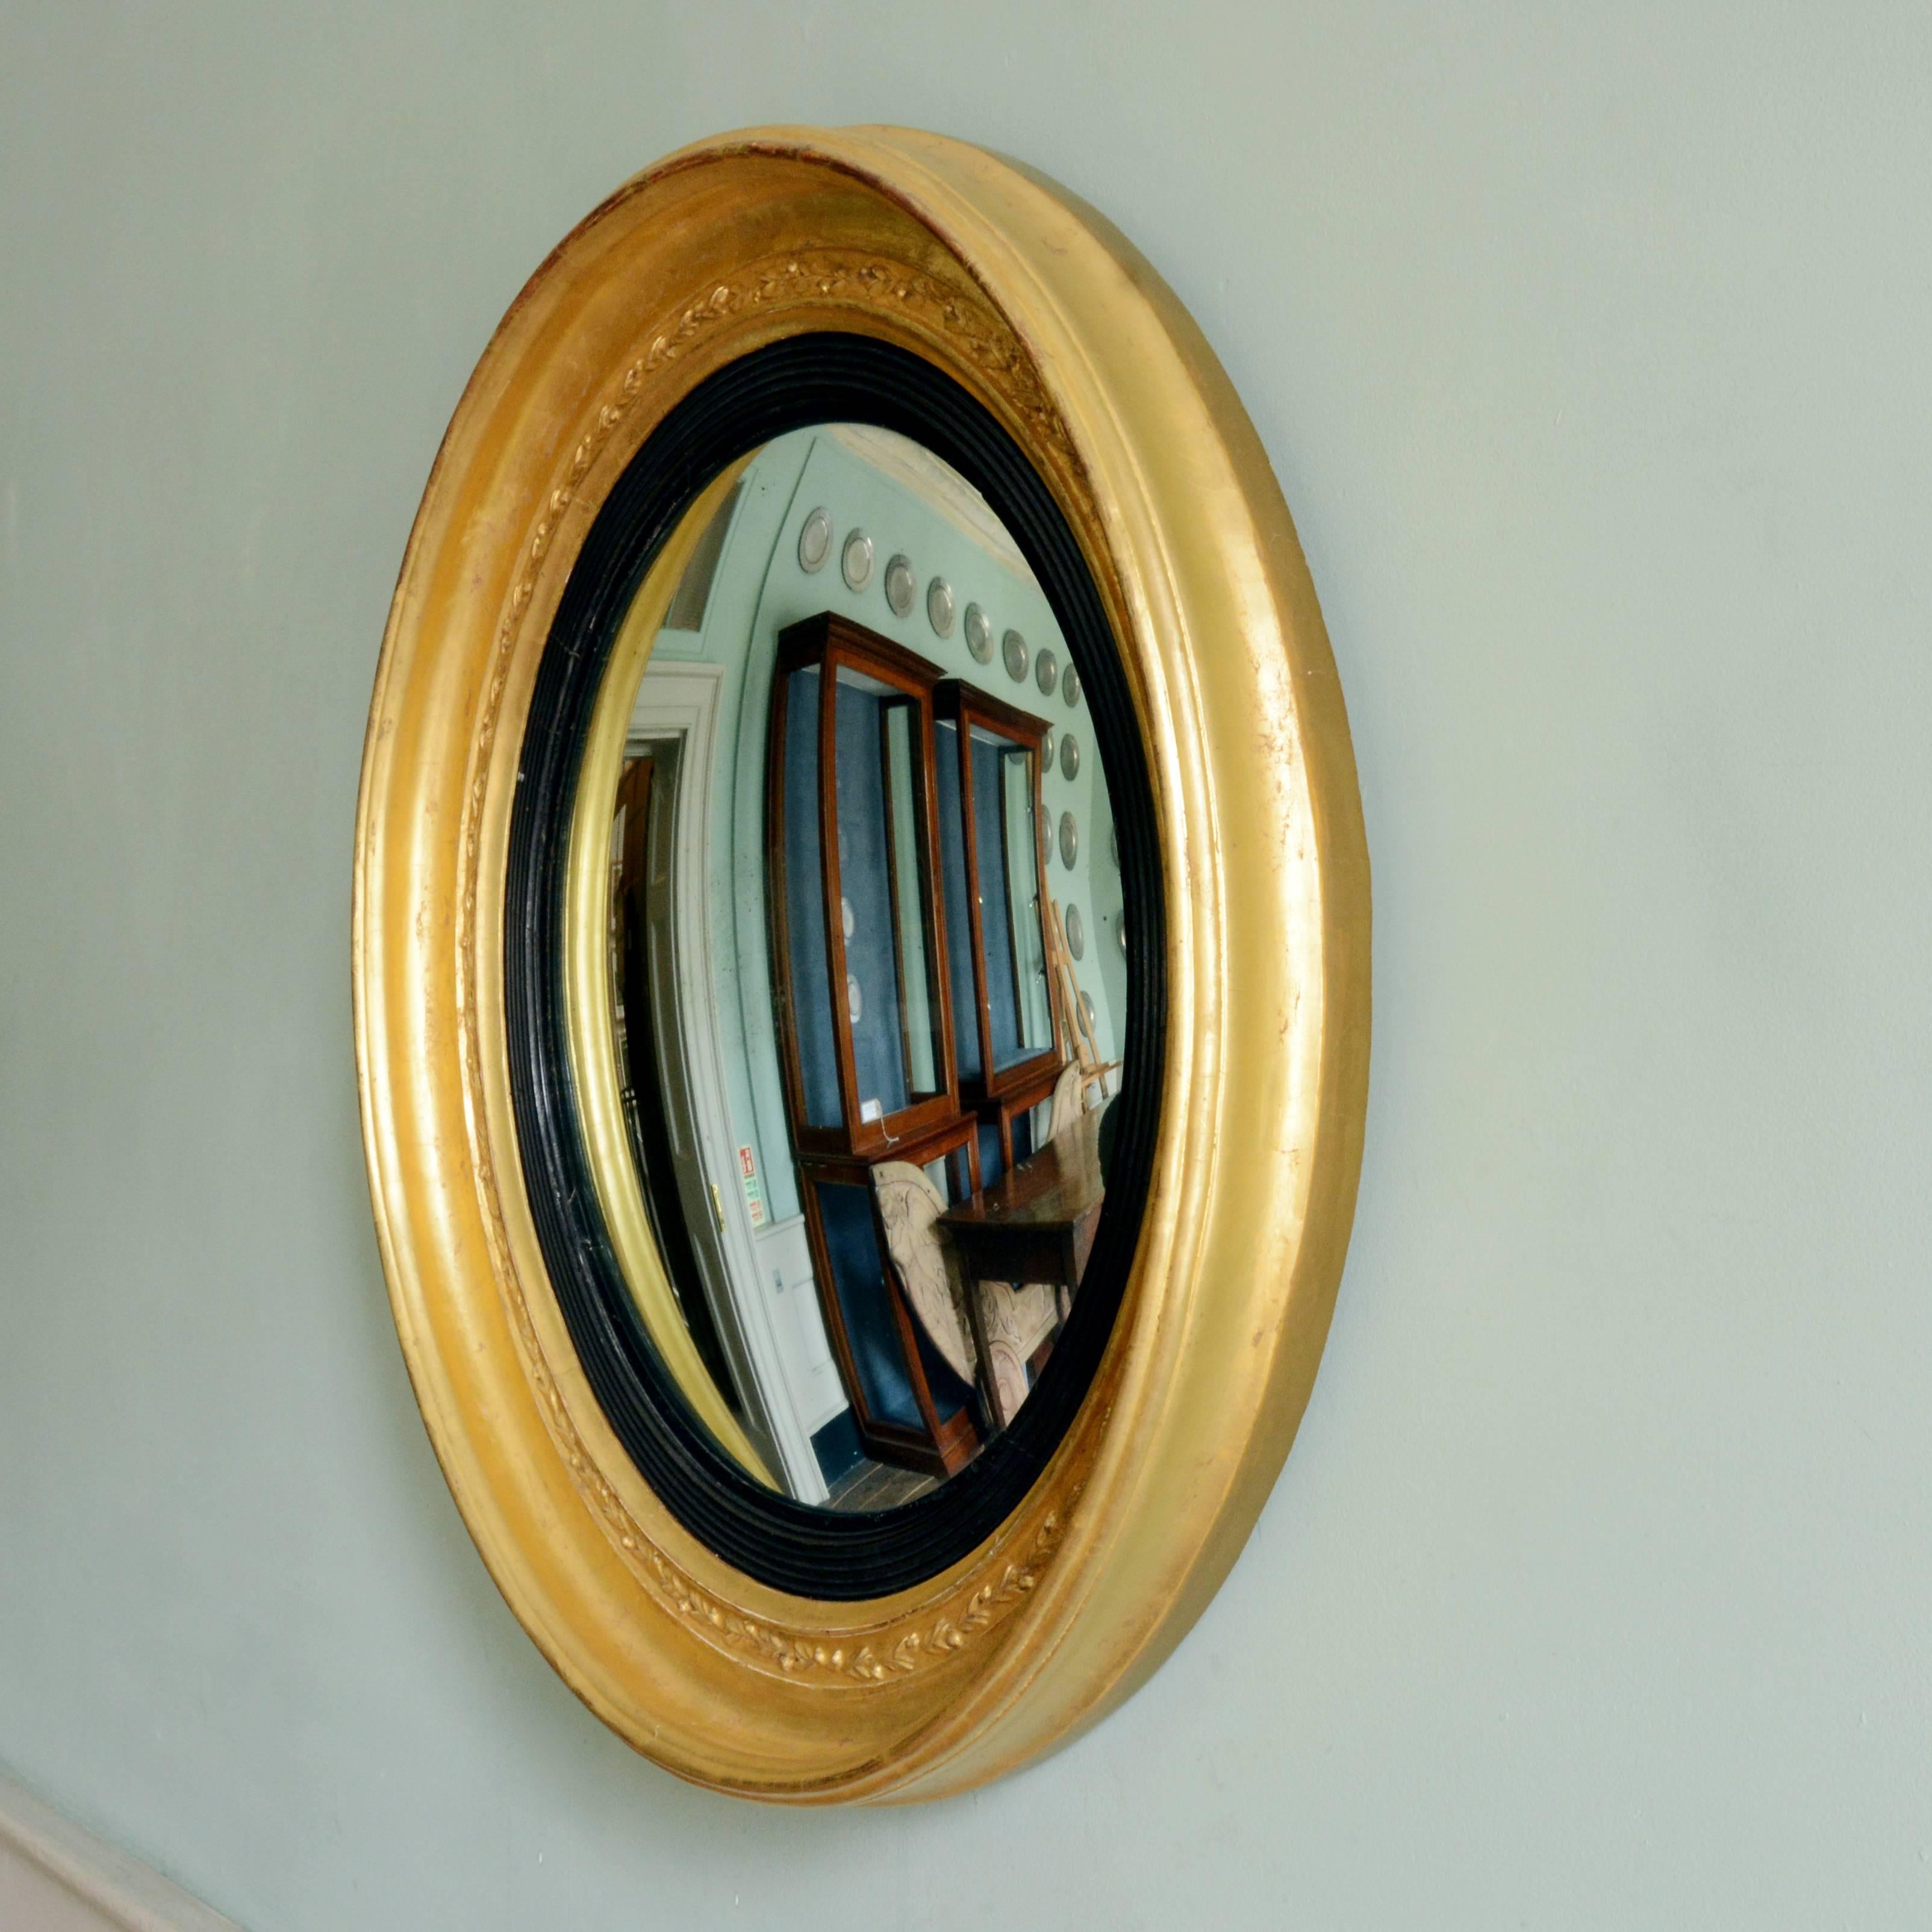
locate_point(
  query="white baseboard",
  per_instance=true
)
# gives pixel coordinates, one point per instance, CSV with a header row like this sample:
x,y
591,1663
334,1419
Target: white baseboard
x,y
54,1877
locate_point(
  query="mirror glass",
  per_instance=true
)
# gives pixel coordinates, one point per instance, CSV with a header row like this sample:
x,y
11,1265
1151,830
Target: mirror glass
x,y
863,1076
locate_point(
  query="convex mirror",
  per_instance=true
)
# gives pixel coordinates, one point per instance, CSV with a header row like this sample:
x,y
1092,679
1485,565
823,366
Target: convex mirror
x,y
861,949
844,1090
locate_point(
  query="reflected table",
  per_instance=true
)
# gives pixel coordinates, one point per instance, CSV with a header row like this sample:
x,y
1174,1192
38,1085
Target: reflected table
x,y
1036,1222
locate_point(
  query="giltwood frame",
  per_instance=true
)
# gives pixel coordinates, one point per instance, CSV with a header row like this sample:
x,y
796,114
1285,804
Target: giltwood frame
x,y
1045,314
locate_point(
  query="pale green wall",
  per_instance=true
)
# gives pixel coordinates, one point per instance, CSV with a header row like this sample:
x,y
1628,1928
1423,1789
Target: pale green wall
x,y
1591,346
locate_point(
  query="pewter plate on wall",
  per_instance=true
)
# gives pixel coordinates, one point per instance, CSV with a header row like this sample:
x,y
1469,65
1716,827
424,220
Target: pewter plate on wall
x,y
814,541
978,635
939,607
1013,647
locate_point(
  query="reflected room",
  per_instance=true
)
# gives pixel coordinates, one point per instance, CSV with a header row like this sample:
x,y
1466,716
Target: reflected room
x,y
866,941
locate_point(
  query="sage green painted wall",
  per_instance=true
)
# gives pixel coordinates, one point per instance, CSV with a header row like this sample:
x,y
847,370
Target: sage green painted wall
x,y
1590,346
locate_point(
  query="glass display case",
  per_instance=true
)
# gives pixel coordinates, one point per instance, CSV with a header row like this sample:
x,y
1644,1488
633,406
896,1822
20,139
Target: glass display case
x,y
866,1027
993,871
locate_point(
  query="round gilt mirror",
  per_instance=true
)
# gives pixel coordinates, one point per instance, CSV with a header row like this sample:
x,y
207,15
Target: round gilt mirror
x,y
859,1317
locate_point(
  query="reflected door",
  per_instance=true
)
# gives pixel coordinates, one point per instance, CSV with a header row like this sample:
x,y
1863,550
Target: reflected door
x,y
655,1079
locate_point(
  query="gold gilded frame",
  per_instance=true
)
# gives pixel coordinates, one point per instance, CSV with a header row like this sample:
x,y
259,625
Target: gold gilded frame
x,y
1047,316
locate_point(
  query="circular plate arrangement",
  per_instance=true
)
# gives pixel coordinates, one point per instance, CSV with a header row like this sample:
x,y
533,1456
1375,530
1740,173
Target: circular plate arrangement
x,y
901,587
1260,944
1070,756
1069,687
1070,840
1013,649
856,560
1046,673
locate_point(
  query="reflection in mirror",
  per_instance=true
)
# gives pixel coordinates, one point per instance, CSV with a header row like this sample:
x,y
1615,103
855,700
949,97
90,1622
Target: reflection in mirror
x,y
1023,914
861,1073
911,896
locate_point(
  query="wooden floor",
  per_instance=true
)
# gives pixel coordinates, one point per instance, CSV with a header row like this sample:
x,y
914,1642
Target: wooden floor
x,y
877,1485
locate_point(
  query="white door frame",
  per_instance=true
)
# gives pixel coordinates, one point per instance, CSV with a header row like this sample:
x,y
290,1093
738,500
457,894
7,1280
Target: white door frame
x,y
680,700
